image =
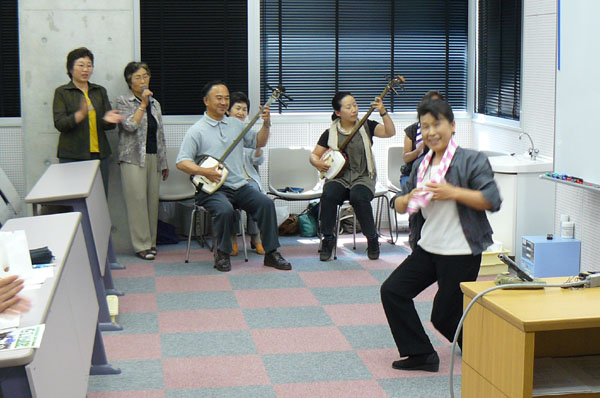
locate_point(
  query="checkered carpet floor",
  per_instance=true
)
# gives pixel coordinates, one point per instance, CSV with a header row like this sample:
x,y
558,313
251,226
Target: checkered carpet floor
x,y
316,331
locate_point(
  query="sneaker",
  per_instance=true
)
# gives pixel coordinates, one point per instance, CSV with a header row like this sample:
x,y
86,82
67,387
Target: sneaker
x,y
427,362
276,260
326,249
373,248
222,261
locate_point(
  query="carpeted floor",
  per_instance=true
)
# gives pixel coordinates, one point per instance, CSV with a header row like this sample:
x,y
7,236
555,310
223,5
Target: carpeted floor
x,y
316,331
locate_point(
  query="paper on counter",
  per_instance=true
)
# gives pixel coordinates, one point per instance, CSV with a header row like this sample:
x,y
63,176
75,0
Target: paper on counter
x,y
9,320
14,254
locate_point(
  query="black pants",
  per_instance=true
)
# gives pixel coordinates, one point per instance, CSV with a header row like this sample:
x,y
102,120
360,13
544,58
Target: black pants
x,y
415,274
258,206
334,194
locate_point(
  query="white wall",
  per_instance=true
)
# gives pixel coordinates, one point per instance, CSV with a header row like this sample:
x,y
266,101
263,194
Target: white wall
x,y
538,104
48,30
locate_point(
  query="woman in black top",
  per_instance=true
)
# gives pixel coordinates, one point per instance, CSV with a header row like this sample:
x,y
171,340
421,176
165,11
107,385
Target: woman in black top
x,y
414,147
357,181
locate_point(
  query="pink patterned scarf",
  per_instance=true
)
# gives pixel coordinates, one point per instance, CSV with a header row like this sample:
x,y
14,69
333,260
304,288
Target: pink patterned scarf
x,y
422,198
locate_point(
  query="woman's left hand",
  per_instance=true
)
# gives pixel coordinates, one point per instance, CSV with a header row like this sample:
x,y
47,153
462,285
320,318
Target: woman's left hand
x,y
165,174
442,191
378,104
112,116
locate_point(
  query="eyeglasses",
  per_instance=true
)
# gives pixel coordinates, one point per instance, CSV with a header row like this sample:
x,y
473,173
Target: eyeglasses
x,y
139,78
83,66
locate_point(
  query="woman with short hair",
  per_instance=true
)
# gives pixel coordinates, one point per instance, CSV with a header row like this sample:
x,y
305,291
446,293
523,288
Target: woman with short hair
x,y
82,113
142,158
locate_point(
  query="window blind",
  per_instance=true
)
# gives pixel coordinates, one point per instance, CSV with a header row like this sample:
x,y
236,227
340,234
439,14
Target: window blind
x,y
315,48
10,97
499,58
189,43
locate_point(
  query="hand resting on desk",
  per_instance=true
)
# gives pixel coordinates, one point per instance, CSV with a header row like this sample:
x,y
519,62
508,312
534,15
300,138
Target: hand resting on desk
x,y
10,286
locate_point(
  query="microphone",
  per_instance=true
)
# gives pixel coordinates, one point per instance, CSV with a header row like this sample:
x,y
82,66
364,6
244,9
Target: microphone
x,y
513,266
149,97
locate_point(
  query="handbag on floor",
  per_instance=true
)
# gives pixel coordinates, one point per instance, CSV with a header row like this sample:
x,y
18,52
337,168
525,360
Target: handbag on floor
x,y
289,226
308,221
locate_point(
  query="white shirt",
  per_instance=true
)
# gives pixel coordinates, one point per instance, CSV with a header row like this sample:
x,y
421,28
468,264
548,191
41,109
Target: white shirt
x,y
442,232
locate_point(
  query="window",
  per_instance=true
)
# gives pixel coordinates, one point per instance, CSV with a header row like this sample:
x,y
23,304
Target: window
x,y
315,48
499,58
189,43
10,99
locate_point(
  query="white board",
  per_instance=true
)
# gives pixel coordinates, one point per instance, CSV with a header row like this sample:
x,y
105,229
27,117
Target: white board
x,y
577,135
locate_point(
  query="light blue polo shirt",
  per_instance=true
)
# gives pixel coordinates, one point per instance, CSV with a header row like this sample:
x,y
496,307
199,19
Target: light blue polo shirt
x,y
212,137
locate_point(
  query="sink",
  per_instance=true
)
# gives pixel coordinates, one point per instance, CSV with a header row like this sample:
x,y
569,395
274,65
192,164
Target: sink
x,y
490,154
520,163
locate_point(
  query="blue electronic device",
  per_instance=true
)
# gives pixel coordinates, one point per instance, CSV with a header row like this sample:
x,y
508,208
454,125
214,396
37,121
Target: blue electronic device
x,y
543,257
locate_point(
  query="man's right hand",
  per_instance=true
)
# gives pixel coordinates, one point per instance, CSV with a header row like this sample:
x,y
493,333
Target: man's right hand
x,y
212,173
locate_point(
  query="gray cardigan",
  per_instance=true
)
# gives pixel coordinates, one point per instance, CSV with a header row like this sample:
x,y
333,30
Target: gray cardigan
x,y
132,136
468,169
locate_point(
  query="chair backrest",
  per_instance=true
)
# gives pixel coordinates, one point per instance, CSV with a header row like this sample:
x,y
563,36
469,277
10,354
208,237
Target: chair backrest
x,y
178,186
290,167
9,194
394,163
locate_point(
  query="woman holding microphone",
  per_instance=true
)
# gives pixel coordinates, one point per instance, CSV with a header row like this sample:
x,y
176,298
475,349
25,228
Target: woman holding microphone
x,y
142,158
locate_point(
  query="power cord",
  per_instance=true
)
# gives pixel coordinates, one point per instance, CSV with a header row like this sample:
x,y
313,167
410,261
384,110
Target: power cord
x,y
587,283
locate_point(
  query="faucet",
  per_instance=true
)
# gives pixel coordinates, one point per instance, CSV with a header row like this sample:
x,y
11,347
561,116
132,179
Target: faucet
x,y
533,151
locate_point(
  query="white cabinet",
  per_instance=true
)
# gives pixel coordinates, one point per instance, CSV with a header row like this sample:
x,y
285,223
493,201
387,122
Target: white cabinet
x,y
527,209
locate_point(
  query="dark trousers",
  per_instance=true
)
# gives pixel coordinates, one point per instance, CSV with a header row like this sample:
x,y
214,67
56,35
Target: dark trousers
x,y
221,206
104,167
334,194
415,274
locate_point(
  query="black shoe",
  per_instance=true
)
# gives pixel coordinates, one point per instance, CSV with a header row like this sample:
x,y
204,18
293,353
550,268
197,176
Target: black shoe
x,y
326,249
276,260
222,261
427,362
373,248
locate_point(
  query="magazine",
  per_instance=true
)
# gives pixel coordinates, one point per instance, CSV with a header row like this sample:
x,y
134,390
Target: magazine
x,y
19,338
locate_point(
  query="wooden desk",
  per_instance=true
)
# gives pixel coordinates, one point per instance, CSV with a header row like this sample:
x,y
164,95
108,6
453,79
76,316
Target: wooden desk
x,y
67,304
79,186
506,329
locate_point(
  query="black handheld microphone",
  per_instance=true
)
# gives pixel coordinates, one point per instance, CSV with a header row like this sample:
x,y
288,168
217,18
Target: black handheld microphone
x,y
149,97
513,266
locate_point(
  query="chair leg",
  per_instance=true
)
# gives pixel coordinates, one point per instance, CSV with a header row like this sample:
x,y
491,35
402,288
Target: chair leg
x,y
319,229
389,209
396,225
336,232
243,236
353,230
189,242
